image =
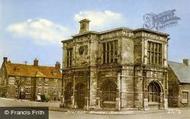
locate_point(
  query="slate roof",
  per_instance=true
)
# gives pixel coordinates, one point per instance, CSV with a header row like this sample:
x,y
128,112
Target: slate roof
x,y
14,69
182,71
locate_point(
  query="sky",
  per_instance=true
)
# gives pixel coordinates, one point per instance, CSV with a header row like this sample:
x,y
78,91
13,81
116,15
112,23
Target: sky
x,y
32,29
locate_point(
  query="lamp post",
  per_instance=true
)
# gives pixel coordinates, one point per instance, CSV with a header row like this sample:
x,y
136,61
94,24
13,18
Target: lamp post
x,y
62,91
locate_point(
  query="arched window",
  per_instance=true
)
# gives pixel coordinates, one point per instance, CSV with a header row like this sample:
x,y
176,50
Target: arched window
x,y
109,89
154,92
80,95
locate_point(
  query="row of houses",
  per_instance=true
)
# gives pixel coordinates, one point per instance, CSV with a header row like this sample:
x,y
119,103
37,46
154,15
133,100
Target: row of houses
x,y
31,82
119,69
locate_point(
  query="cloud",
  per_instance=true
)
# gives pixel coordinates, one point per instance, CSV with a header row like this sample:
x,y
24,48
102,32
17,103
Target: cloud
x,y
101,19
42,31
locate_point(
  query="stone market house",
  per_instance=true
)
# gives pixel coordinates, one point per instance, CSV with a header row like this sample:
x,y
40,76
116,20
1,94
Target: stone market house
x,y
179,84
116,69
29,81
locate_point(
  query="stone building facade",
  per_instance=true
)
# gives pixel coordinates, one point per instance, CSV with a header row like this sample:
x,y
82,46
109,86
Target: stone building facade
x,y
116,69
30,81
179,84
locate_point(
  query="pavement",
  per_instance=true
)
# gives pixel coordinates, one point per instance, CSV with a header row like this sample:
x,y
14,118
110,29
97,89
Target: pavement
x,y
62,113
171,113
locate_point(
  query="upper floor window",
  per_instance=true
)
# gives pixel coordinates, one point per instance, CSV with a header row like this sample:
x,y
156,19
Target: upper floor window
x,y
69,57
110,52
154,53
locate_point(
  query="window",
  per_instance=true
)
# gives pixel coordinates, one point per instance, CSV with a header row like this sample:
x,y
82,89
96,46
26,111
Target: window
x,y
39,91
110,52
154,92
46,81
39,81
27,90
69,57
154,53
28,81
185,97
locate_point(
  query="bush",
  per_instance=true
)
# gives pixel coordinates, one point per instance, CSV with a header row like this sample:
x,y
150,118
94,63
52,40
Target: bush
x,y
44,98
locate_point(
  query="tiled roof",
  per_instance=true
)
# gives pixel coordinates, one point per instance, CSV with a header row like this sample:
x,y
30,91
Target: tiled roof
x,y
14,69
181,70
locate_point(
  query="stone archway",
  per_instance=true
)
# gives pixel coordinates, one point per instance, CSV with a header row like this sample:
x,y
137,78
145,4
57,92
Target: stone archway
x,y
68,93
154,94
80,95
109,92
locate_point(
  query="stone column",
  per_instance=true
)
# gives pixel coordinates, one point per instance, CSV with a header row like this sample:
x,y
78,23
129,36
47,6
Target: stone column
x,y
118,100
93,88
62,100
98,101
74,105
166,91
145,90
145,52
87,103
98,106
145,103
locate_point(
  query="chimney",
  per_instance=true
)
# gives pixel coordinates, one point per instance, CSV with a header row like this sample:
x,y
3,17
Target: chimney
x,y
186,61
84,25
57,66
5,59
36,62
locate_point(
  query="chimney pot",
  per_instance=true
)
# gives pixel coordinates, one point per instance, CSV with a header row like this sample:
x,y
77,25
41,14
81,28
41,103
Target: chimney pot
x,y
57,65
186,61
36,62
5,59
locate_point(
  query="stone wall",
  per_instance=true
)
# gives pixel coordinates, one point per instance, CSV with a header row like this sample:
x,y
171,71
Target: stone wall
x,y
182,101
173,89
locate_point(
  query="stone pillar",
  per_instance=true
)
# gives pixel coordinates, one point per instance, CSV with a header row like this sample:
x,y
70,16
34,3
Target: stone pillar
x,y
62,101
145,103
166,90
93,88
74,105
118,103
145,91
98,106
165,103
118,98
145,52
138,88
165,99
87,103
165,55
73,102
